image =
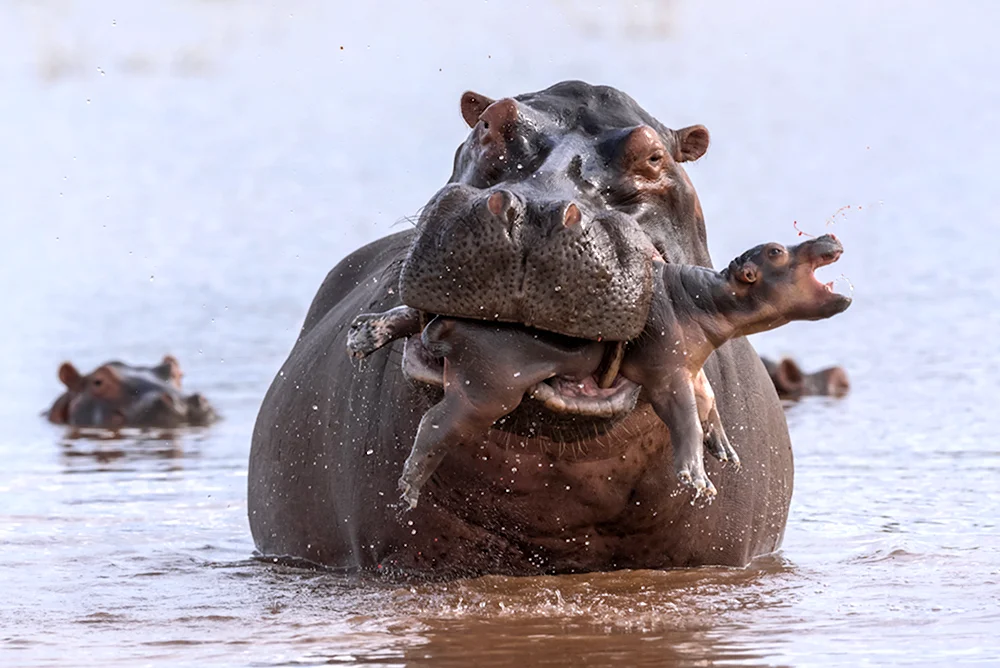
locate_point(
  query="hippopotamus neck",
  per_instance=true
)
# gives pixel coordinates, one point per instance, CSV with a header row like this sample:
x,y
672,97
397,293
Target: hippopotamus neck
x,y
704,307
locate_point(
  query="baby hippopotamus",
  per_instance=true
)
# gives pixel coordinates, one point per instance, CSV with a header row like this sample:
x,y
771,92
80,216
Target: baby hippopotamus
x,y
116,395
489,367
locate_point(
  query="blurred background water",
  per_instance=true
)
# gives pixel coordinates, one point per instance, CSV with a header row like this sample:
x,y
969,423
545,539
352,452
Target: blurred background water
x,y
179,177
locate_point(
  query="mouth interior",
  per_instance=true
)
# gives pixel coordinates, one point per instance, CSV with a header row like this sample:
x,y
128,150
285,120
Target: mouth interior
x,y
822,260
559,394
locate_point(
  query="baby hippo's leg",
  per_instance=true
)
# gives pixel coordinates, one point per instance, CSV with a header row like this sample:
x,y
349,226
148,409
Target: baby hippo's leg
x,y
487,370
716,441
675,403
450,422
371,331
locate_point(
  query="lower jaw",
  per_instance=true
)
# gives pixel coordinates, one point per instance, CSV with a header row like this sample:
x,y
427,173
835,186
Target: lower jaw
x,y
555,397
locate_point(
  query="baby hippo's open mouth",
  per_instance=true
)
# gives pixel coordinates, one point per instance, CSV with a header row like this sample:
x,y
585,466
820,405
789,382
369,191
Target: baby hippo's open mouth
x,y
825,250
586,380
817,253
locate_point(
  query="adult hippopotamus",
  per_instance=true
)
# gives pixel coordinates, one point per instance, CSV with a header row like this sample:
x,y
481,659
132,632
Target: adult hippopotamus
x,y
558,204
792,383
117,395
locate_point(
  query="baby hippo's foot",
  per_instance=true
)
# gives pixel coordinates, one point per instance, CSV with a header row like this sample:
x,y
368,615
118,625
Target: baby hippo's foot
x,y
371,331
717,444
409,495
694,478
368,333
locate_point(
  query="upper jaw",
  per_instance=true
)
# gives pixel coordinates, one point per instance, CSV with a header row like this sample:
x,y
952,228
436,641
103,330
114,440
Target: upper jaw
x,y
821,251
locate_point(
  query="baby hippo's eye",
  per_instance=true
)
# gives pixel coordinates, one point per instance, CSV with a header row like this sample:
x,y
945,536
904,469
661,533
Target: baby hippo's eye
x,y
775,252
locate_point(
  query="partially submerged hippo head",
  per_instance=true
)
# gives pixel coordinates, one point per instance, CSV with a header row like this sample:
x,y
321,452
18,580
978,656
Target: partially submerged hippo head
x,y
792,383
116,395
558,203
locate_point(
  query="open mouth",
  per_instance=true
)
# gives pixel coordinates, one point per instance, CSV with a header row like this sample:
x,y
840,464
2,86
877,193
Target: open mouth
x,y
823,260
825,251
604,394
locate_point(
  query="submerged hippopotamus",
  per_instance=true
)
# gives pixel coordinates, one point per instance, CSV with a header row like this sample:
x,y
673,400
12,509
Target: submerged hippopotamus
x,y
558,205
487,369
792,383
116,395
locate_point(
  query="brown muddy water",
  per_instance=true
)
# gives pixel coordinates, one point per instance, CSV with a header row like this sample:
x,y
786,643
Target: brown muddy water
x,y
178,177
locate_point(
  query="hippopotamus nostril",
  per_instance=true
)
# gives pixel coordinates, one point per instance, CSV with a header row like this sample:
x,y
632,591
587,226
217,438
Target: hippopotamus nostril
x,y
503,205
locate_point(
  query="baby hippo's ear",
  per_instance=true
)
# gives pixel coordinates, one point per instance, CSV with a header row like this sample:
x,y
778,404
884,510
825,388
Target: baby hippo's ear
x,y
748,272
70,377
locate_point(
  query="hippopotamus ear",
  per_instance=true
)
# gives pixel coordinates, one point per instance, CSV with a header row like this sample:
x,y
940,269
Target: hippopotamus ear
x,y
169,370
70,377
788,377
748,272
691,143
473,105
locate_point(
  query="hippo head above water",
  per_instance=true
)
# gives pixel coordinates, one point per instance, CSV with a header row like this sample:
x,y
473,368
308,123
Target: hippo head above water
x,y
116,395
557,205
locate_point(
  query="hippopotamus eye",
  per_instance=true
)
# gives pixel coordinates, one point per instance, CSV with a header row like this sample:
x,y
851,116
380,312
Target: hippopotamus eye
x,y
655,158
775,252
98,382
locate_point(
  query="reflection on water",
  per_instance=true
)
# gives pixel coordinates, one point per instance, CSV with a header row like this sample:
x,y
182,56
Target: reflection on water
x,y
85,451
181,176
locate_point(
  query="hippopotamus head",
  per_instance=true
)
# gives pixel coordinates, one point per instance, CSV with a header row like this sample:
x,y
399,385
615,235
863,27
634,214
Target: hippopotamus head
x,y
116,395
558,203
775,285
792,383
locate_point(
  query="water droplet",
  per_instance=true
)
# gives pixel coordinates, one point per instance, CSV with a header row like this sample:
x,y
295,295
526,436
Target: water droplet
x,y
101,71
114,22
315,407
151,278
369,451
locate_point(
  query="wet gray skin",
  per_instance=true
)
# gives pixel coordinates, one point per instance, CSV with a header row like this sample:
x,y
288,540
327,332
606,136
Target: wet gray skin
x,y
558,205
116,395
792,383
486,370
547,221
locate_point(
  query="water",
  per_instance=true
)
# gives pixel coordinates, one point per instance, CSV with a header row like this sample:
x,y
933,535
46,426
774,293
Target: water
x,y
179,178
